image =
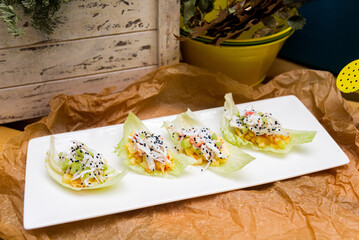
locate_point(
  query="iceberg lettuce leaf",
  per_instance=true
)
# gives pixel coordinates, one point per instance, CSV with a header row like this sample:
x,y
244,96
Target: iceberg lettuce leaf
x,y
230,109
133,123
54,170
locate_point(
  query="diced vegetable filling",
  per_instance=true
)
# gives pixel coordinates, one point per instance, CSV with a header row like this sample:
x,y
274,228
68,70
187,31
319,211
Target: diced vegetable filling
x,y
201,144
82,167
260,128
149,151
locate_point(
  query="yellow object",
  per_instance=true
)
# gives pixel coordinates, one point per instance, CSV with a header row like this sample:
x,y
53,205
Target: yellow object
x,y
348,78
219,4
246,36
246,64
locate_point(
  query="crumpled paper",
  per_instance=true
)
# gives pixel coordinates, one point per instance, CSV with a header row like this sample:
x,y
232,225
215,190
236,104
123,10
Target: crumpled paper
x,y
323,205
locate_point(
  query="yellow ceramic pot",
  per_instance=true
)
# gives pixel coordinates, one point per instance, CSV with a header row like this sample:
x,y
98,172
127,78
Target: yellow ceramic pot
x,y
246,64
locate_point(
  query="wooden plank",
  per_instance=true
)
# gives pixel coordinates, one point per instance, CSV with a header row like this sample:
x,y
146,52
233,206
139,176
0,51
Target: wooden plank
x,y
20,66
168,26
90,18
31,101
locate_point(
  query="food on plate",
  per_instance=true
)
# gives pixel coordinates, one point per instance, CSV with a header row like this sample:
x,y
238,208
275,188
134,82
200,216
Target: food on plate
x,y
146,152
80,167
259,129
209,149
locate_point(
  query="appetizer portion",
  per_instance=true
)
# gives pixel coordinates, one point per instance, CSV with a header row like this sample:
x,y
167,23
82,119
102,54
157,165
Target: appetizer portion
x,y
148,150
201,144
259,129
80,167
146,153
196,140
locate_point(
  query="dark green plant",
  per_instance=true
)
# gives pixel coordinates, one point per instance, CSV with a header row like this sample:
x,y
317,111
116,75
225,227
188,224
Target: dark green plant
x,y
193,11
41,12
239,16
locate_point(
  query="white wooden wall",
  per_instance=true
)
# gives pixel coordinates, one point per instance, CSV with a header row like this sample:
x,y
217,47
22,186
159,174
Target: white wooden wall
x,y
96,44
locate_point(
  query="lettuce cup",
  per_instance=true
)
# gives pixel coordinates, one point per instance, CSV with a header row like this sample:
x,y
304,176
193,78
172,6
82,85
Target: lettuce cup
x,y
80,167
208,149
147,153
260,130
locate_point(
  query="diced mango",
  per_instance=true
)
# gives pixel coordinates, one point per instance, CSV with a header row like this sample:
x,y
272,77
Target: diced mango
x,y
189,151
274,141
215,163
145,166
76,183
223,160
281,144
247,137
198,162
170,155
66,178
262,145
238,132
162,167
272,145
170,165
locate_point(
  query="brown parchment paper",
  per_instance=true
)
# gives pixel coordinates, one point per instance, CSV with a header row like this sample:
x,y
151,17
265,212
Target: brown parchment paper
x,y
322,205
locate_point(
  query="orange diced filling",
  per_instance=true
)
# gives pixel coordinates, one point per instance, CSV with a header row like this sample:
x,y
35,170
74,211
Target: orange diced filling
x,y
262,141
66,178
200,159
137,158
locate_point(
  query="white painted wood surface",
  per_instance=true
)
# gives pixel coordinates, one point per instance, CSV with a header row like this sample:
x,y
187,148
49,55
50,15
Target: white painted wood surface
x,y
61,60
90,18
168,46
35,97
96,44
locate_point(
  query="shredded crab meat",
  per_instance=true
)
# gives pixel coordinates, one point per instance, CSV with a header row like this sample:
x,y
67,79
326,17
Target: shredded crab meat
x,y
257,122
92,162
151,146
201,139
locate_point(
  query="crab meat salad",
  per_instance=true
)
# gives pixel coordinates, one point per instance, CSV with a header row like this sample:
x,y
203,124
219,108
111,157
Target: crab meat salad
x,y
146,152
149,151
80,167
259,129
201,144
197,141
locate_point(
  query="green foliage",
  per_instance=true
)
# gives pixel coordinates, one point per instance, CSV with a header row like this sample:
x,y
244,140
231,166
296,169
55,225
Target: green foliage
x,y
296,22
41,11
193,11
239,16
8,15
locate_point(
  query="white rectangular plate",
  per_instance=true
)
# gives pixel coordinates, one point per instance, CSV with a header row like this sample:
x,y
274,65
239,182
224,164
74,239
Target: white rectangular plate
x,y
48,203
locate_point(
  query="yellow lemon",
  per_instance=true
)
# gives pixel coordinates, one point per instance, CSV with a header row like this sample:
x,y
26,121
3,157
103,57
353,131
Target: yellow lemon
x,y
348,78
